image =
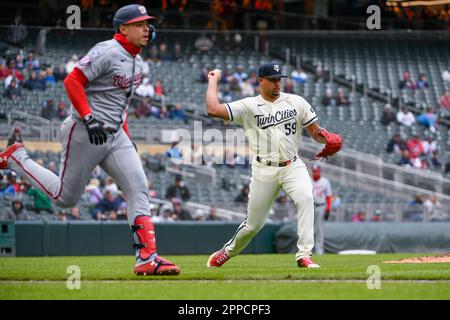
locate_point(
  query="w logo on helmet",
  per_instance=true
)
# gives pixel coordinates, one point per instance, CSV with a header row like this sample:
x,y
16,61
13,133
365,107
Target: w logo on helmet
x,y
142,10
276,67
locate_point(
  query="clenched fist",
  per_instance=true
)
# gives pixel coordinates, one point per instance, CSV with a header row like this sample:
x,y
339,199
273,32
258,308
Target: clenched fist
x,y
216,74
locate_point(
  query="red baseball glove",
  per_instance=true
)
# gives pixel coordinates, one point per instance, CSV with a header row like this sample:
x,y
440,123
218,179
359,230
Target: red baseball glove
x,y
334,144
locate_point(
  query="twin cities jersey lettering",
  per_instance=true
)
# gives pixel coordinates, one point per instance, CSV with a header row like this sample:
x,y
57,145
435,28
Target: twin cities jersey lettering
x,y
273,129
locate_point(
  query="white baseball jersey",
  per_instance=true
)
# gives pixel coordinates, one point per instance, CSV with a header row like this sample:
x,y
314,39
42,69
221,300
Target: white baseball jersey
x,y
322,189
273,128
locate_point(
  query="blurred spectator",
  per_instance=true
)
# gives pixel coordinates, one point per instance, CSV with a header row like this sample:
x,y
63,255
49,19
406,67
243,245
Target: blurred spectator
x,y
318,72
93,192
407,83
376,216
341,98
107,208
288,86
16,136
179,213
360,216
41,41
446,75
226,95
328,99
444,101
433,210
239,75
174,152
177,54
40,201
163,112
415,146
199,215
435,162
428,119
165,216
212,214
11,187
416,151
17,32
203,43
16,211
405,117
31,62
415,209
12,72
429,145
144,110
35,83
111,186
74,214
159,89
422,82
122,211
178,190
405,159
71,64
388,115
204,75
253,79
48,111
61,112
164,53
299,76
61,215
18,62
12,91
243,195
49,77
247,89
178,113
60,73
145,89
282,209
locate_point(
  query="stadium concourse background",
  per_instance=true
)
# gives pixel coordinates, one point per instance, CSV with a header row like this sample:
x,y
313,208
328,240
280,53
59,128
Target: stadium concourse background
x,y
386,196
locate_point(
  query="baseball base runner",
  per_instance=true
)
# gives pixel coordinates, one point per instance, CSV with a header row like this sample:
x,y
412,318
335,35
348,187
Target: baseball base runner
x,y
100,89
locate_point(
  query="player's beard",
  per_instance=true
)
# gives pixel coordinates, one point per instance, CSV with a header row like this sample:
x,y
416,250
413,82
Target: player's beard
x,y
275,92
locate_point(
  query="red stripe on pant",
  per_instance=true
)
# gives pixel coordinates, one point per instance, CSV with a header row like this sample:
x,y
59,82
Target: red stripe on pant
x,y
64,170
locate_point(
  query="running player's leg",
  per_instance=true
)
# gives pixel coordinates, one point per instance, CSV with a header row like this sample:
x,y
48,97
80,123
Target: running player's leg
x,y
78,159
264,189
124,166
297,184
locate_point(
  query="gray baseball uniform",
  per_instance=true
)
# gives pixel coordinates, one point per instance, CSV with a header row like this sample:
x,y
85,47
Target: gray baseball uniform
x,y
113,75
322,190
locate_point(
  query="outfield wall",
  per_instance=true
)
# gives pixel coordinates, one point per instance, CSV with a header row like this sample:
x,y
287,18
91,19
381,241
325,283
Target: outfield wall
x,y
37,238
115,238
382,237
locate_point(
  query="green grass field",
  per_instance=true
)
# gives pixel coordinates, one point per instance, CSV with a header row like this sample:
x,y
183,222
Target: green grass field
x,y
267,277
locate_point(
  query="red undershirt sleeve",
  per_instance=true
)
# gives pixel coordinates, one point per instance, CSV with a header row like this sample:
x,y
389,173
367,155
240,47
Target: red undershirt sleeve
x,y
75,83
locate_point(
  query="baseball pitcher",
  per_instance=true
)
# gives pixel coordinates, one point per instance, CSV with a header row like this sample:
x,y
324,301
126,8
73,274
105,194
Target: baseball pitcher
x,y
96,133
273,122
